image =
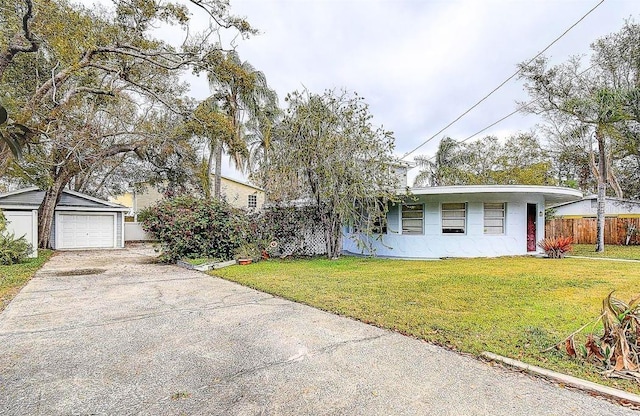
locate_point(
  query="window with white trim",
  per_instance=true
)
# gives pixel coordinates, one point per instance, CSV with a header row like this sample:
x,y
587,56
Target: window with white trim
x,y
412,219
494,216
252,201
454,218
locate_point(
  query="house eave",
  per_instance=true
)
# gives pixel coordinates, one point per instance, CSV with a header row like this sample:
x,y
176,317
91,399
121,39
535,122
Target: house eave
x,y
551,194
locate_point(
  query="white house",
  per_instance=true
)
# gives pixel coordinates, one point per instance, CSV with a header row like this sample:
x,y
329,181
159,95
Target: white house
x,y
588,207
80,221
466,221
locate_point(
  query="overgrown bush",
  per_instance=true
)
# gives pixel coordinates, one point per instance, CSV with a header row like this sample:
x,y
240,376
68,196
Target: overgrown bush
x,y
556,247
12,250
190,227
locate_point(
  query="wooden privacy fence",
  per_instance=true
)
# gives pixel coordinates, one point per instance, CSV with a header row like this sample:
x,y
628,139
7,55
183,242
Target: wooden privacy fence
x,y
583,230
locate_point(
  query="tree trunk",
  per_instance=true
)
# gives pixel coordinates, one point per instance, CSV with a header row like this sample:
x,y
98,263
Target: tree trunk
x,y
217,191
332,236
206,180
46,213
602,186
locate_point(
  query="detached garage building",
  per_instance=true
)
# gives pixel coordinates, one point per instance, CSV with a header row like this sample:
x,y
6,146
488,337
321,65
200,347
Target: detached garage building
x,y
80,221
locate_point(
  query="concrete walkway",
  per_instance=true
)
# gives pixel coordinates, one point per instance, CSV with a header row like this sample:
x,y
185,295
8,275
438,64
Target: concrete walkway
x,y
147,339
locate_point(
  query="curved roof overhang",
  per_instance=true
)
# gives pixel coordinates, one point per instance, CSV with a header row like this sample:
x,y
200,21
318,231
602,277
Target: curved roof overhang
x,y
551,194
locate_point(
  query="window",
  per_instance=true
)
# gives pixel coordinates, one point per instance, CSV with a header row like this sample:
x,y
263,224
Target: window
x,y
253,201
412,218
454,218
494,218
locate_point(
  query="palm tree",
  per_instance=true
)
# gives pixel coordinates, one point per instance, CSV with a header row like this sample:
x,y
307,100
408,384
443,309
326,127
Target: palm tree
x,y
435,170
261,139
242,94
13,137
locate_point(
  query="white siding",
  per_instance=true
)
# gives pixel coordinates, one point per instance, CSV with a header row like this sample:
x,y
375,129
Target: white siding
x,y
24,224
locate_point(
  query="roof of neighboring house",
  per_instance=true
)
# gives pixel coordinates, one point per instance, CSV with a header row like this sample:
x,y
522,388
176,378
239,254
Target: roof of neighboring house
x,y
594,197
242,183
551,194
31,198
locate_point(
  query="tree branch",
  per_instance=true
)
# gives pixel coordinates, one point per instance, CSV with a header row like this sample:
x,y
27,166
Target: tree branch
x,y
16,46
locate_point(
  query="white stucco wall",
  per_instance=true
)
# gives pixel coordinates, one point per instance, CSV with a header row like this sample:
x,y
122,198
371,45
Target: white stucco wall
x,y
474,243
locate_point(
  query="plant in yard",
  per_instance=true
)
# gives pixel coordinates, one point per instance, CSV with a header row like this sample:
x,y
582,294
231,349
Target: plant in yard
x,y
556,247
249,250
329,156
617,350
189,227
12,250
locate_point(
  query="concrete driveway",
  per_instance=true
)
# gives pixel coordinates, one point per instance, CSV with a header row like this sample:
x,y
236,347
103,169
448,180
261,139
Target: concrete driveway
x,y
147,339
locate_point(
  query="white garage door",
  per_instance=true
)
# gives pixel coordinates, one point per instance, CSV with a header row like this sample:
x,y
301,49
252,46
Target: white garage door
x,y
86,231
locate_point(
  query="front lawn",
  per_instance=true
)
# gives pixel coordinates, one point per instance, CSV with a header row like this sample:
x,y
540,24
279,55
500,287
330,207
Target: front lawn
x,y
513,306
610,251
13,277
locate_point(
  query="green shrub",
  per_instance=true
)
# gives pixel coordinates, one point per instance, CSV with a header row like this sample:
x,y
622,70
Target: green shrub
x,y
13,250
3,222
190,227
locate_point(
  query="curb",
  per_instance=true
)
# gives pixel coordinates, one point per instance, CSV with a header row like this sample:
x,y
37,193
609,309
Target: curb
x,y
565,379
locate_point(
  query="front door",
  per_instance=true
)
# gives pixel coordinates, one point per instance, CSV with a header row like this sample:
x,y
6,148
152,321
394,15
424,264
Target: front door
x,y
531,227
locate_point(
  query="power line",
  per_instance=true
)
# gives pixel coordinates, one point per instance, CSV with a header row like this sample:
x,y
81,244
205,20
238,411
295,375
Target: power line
x,y
504,82
500,120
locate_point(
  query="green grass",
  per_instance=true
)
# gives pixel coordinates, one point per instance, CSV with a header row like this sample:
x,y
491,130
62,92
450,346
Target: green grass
x,y
513,306
201,260
610,251
14,277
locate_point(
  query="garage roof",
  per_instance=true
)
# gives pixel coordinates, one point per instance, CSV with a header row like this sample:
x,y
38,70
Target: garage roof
x,y
31,198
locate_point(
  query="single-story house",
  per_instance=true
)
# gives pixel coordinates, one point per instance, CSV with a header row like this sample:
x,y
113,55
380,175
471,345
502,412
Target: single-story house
x,y
465,221
587,207
80,221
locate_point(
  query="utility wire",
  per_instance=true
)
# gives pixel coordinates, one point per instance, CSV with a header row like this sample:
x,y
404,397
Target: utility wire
x,y
517,110
504,82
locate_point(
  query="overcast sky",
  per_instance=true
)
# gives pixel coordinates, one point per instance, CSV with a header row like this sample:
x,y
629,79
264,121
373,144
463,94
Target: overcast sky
x,y
419,64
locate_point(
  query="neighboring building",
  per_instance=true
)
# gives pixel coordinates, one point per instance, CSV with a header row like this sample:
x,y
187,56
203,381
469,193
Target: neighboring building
x,y
398,170
80,221
239,194
466,221
588,208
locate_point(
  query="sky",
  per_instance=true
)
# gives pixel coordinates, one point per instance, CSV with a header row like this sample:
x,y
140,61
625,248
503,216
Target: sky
x,y
419,64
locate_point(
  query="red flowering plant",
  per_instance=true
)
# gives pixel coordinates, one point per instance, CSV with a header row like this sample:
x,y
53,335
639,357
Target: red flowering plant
x,y
557,247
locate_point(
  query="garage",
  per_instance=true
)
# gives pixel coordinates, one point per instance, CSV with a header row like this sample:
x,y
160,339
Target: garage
x,y
82,230
80,221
